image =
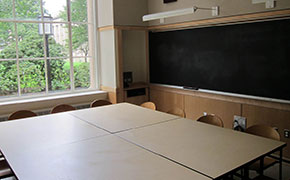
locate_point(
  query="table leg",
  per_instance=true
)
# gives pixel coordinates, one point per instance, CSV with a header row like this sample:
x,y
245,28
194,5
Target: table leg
x,y
280,164
261,171
246,173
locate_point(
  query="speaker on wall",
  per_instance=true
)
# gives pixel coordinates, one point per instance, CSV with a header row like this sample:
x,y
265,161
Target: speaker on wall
x,y
128,79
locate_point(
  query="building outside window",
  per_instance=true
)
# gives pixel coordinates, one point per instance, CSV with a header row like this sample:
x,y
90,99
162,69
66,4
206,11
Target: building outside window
x,y
46,47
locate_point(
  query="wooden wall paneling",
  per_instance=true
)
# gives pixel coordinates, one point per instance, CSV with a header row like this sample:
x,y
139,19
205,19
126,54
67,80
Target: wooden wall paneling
x,y
147,56
165,100
196,106
138,100
273,117
228,98
119,65
112,93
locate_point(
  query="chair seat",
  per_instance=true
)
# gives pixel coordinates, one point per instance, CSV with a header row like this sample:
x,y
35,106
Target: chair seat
x,y
267,162
4,169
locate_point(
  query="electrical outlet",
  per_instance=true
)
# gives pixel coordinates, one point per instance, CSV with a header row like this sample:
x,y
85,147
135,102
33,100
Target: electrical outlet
x,y
239,123
286,133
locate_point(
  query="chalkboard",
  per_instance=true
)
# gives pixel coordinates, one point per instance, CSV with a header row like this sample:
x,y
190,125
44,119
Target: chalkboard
x,y
249,59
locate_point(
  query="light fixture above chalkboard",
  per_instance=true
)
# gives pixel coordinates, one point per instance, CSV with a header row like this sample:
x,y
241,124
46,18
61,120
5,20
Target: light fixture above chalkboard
x,y
179,12
168,1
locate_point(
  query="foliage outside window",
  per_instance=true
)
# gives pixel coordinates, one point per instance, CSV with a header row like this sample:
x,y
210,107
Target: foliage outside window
x,y
33,63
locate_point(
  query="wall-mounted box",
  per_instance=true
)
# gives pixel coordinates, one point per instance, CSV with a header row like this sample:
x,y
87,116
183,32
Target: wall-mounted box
x,y
136,93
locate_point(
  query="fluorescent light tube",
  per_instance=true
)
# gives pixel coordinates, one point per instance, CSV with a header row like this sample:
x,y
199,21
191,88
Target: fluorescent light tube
x,y
168,14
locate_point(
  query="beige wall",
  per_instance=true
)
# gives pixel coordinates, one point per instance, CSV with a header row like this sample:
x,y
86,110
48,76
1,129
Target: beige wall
x,y
227,8
130,12
134,54
107,59
105,13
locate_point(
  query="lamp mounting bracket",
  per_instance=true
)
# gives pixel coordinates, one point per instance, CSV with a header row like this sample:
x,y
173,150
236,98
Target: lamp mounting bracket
x,y
268,3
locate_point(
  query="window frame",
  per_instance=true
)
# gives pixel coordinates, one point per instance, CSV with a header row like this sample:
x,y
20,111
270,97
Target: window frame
x,y
92,42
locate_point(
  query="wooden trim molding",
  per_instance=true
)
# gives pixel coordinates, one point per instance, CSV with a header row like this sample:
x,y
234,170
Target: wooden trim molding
x,y
109,89
224,20
205,22
112,27
228,98
136,28
106,28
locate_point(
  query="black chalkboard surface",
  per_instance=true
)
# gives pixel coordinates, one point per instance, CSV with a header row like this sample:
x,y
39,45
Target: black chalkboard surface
x,y
248,59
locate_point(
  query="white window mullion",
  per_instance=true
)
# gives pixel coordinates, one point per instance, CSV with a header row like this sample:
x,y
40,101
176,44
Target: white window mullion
x,y
45,53
70,46
96,54
17,56
17,61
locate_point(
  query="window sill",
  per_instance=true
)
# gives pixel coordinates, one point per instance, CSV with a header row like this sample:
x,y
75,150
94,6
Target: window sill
x,y
41,103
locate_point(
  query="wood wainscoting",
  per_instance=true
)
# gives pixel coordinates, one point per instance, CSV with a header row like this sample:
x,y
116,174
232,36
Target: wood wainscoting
x,y
195,103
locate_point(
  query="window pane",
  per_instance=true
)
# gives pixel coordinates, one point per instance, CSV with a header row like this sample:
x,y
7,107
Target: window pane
x,y
6,9
60,74
56,8
82,73
27,10
58,41
30,43
79,11
8,78
7,41
32,76
80,43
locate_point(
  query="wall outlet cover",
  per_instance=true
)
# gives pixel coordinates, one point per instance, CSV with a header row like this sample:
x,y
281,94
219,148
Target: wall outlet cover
x,y
286,133
239,123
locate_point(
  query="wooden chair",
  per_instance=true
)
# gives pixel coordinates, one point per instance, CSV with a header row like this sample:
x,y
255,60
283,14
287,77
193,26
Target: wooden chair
x,y
177,111
149,105
267,132
62,108
21,114
97,103
5,170
211,119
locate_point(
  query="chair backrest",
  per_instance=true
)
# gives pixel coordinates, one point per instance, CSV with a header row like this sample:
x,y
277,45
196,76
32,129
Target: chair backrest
x,y
149,105
21,114
264,131
177,111
62,108
97,103
211,119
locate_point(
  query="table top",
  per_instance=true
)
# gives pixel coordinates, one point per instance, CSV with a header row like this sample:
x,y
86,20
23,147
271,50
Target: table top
x,y
208,149
124,141
106,158
123,116
44,131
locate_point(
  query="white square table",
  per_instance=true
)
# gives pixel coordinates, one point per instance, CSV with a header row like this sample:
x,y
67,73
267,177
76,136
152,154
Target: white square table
x,y
123,116
105,158
208,149
44,131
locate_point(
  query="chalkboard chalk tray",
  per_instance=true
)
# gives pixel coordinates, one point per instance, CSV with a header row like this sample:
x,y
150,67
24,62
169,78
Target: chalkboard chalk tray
x,y
249,59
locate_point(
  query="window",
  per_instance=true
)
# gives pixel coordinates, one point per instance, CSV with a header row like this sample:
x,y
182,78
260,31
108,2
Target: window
x,y
46,47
